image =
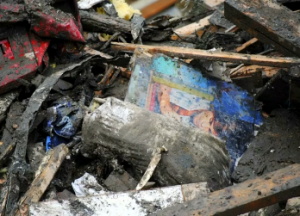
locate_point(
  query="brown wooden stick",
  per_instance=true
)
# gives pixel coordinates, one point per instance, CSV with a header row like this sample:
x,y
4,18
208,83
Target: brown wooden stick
x,y
248,196
156,7
49,166
247,44
210,55
105,79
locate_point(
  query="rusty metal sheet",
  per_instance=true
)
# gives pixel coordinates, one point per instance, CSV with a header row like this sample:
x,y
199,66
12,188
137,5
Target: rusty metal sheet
x,y
245,197
267,20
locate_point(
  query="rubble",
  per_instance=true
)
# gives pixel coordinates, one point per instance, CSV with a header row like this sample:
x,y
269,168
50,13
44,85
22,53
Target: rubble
x,y
247,196
129,203
87,185
130,133
48,167
119,181
275,23
186,107
169,87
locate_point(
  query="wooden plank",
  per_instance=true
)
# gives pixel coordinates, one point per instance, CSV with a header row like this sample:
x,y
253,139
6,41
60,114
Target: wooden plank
x,y
241,198
49,166
157,7
139,203
268,21
210,55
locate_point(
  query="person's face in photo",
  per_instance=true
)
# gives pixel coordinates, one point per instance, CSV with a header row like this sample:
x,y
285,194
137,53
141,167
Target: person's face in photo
x,y
205,121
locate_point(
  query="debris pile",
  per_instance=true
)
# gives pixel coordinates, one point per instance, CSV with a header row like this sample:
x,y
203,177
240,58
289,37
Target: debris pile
x,y
165,107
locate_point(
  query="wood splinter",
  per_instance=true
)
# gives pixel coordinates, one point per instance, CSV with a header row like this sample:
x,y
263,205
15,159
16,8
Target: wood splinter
x,y
151,168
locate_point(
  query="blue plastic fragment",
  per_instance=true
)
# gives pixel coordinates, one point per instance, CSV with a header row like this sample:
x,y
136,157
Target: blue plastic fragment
x,y
48,143
63,119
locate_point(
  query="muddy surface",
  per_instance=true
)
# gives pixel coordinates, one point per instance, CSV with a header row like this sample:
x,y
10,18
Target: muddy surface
x,y
276,146
119,88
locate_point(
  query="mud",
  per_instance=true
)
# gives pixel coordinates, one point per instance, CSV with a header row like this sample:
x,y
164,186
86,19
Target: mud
x,y
118,89
275,147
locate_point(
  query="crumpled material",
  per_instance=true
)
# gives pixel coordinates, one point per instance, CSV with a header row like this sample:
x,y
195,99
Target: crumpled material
x,y
87,185
62,123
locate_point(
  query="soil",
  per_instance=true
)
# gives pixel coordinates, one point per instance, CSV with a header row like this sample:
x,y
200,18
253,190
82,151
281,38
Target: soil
x,y
275,147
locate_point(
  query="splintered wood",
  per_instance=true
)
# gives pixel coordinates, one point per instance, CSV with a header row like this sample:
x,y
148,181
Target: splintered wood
x,y
149,172
268,21
49,166
210,55
244,197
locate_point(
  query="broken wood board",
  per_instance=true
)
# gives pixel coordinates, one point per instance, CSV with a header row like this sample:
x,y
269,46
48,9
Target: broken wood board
x,y
268,21
250,69
191,28
244,197
44,175
125,204
210,55
156,7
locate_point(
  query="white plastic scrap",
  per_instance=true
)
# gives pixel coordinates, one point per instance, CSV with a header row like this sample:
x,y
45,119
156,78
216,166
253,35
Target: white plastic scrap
x,y
87,185
87,4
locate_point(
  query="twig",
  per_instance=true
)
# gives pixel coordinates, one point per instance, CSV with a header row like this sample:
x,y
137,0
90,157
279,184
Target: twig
x,y
114,36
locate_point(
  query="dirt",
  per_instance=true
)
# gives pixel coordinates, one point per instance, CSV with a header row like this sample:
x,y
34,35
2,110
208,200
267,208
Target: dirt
x,y
119,88
275,147
79,208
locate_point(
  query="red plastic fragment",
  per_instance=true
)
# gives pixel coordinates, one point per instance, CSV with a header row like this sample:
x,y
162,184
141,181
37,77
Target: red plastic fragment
x,y
56,25
40,46
6,49
24,64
